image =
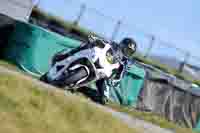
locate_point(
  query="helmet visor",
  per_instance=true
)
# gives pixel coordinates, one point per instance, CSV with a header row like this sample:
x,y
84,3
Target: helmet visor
x,y
129,51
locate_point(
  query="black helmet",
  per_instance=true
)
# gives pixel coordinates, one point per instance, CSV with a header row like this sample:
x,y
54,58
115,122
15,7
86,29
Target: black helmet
x,y
128,47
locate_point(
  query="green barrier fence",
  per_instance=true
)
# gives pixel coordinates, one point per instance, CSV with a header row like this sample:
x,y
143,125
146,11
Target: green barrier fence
x,y
32,47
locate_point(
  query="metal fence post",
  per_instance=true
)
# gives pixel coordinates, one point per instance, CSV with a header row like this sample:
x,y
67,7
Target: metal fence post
x,y
80,14
34,3
182,64
116,30
152,40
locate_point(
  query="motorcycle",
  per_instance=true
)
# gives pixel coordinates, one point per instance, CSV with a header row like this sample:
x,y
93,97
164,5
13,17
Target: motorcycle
x,y
81,66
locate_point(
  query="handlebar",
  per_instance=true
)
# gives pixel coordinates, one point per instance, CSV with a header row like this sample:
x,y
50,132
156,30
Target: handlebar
x,y
93,38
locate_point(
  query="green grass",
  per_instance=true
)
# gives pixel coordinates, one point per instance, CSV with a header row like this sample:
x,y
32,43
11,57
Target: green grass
x,y
150,117
26,107
8,65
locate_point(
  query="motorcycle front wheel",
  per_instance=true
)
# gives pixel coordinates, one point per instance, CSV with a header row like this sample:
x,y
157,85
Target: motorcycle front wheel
x,y
43,78
75,76
71,79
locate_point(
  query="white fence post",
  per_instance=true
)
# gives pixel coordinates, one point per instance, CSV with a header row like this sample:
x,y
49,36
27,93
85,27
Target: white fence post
x,y
80,14
151,44
116,30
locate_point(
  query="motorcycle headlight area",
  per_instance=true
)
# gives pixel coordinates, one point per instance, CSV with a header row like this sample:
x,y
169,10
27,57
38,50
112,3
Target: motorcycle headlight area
x,y
110,57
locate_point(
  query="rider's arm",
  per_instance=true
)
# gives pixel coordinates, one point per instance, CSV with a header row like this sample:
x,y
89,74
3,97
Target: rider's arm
x,y
120,72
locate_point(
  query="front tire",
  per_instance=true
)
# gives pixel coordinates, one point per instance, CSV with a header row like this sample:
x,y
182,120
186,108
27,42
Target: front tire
x,y
43,78
75,76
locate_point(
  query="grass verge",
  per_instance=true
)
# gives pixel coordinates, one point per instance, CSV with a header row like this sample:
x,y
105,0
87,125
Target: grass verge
x,y
27,107
8,65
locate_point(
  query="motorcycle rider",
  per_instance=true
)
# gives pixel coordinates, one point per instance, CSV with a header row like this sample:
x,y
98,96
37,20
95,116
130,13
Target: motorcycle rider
x,y
122,53
117,55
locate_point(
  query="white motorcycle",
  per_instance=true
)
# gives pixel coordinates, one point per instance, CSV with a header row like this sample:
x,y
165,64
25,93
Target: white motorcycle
x,y
81,66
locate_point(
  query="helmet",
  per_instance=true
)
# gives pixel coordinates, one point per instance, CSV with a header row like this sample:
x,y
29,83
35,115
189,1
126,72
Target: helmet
x,y
128,47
